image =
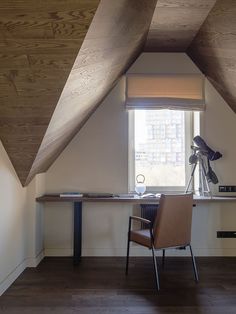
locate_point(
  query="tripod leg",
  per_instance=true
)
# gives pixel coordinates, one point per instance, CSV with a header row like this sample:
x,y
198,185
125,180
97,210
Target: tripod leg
x,y
191,178
201,178
205,188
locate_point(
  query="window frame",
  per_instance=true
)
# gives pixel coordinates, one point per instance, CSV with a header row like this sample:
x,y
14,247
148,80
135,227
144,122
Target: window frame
x,y
189,131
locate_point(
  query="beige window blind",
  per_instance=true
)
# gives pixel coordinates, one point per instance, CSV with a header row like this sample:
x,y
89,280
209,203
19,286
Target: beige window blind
x,y
165,91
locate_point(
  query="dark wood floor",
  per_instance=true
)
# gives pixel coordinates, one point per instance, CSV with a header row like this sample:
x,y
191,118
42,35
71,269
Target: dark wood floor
x,y
99,285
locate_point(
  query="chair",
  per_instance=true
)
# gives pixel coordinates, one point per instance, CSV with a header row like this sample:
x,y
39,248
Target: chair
x,y
171,229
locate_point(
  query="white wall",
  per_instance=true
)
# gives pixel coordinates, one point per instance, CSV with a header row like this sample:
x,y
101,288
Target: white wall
x,y
18,248
218,126
97,160
35,242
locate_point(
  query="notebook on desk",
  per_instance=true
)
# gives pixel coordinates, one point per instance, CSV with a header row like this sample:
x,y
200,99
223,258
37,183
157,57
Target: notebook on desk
x,y
71,194
99,195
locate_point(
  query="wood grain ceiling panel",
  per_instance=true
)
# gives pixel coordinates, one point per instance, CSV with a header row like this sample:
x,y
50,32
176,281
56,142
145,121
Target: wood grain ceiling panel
x,y
114,40
175,23
213,49
39,41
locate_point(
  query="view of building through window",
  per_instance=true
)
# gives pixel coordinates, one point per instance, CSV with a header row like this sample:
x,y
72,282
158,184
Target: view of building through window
x,y
159,144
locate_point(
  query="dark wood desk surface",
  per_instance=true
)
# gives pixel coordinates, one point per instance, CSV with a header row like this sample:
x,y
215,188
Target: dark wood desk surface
x,y
132,200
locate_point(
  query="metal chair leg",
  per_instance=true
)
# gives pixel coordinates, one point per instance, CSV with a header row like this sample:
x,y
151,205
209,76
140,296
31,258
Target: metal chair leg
x,y
163,259
127,257
155,269
128,246
194,265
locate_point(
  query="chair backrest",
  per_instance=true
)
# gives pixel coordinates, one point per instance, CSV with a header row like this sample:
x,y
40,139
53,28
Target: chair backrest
x,y
172,226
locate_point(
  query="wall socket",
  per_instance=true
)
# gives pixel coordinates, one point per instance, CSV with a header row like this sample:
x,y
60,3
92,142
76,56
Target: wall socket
x,y
227,188
226,234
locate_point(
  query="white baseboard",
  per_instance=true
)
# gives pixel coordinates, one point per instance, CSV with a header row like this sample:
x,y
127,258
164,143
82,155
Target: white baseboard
x,y
136,250
15,273
58,252
34,261
214,252
5,284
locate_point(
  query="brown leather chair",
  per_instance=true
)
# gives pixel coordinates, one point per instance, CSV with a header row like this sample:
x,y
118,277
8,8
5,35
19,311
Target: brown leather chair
x,y
171,229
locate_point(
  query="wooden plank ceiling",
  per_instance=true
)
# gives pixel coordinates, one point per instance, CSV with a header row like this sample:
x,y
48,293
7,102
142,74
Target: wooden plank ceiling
x,y
114,40
39,41
214,49
175,23
46,97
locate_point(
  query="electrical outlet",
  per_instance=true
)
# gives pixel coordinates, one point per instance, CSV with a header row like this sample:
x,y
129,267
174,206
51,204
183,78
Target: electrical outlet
x,y
227,188
226,234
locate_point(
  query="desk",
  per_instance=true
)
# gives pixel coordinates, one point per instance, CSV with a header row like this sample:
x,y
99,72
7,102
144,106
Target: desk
x,y
78,204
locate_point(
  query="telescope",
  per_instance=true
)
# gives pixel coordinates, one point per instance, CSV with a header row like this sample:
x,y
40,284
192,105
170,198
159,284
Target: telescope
x,y
201,153
205,149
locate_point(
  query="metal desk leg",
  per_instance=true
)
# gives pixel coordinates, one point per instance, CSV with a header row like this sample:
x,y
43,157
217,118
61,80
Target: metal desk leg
x,y
77,231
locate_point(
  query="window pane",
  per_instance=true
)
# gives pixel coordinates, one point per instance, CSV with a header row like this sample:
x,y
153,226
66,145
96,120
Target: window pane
x,y
160,147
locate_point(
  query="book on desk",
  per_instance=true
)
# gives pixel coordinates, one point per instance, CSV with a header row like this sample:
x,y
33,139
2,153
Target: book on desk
x,y
71,194
99,195
87,195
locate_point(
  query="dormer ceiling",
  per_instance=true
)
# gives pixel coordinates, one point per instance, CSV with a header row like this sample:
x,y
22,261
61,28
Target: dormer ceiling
x,y
59,60
175,23
214,49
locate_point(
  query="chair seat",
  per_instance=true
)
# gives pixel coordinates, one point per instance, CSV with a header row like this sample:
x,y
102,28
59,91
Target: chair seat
x,y
141,237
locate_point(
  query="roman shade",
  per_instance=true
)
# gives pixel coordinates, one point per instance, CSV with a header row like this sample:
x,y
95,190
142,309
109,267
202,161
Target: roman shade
x,y
165,91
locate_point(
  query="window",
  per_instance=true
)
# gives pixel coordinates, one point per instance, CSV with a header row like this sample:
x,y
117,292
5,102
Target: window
x,y
159,148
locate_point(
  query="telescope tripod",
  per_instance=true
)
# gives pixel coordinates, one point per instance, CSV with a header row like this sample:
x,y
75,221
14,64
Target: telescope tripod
x,y
204,189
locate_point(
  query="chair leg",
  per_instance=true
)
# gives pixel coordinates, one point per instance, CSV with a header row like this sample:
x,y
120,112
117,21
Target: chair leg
x,y
128,246
194,265
163,259
127,257
155,269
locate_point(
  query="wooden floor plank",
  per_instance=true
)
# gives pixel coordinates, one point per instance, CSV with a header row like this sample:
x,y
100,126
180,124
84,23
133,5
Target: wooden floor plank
x,y
99,285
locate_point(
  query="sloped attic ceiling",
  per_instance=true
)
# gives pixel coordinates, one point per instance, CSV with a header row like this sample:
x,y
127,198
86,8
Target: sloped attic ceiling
x,y
175,23
39,43
214,49
114,40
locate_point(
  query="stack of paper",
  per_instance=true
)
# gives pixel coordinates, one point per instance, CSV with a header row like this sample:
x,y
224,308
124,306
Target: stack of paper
x,y
71,194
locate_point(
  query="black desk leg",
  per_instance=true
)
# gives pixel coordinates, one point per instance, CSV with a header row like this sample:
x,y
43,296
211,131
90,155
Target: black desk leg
x,y
77,231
